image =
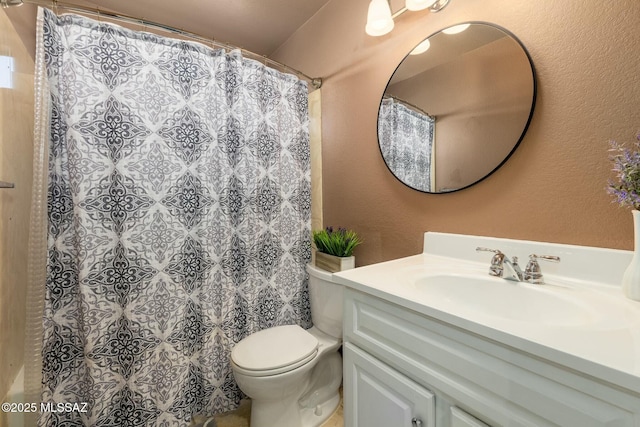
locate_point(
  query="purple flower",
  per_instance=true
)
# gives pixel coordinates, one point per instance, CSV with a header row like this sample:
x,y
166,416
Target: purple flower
x,y
626,165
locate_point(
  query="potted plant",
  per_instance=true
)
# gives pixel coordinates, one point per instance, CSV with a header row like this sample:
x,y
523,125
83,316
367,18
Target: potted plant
x,y
334,248
626,192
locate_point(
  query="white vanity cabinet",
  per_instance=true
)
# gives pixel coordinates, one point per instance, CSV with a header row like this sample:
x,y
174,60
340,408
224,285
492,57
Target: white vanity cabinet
x,y
403,368
380,396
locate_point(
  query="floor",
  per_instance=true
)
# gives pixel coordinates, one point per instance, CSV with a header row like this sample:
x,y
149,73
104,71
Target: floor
x,y
240,418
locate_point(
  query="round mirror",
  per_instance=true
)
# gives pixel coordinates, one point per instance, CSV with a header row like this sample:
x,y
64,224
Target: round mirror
x,y
456,107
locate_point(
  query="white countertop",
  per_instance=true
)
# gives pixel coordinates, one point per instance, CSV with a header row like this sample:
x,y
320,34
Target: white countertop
x,y
608,348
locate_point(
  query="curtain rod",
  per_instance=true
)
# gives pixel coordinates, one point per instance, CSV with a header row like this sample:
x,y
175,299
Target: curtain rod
x,y
409,105
316,82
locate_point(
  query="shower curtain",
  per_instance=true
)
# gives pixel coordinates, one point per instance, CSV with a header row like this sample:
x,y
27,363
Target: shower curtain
x,y
178,220
406,143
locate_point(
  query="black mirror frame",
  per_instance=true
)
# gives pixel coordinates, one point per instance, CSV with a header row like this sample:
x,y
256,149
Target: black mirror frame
x,y
524,130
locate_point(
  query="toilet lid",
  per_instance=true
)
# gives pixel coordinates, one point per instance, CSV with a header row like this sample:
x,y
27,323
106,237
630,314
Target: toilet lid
x,y
274,348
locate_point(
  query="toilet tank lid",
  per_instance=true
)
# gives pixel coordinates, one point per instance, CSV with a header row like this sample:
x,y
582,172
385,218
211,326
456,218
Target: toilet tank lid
x,y
274,348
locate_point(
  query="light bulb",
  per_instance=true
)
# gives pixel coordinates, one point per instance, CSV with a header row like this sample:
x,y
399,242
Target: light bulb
x,y
379,20
419,4
456,29
421,48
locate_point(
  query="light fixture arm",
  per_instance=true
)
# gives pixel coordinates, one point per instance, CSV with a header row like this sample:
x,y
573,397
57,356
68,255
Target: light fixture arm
x,y
436,7
439,5
399,12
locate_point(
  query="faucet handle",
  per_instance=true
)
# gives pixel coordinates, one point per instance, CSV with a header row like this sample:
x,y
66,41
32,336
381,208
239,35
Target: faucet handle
x,y
497,260
533,272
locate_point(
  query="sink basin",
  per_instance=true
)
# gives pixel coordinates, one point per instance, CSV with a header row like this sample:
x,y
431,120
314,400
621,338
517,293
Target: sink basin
x,y
514,301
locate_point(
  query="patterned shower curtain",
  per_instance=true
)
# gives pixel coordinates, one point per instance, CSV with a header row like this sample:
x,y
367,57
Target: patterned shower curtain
x,y
406,142
179,220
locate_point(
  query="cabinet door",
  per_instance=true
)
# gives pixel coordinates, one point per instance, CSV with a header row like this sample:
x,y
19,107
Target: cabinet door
x,y
376,395
460,418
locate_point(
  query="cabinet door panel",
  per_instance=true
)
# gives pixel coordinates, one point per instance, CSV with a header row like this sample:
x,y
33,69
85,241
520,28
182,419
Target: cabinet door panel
x,y
460,418
379,396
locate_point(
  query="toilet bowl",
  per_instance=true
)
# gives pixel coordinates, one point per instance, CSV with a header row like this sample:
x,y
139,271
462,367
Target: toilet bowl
x,y
293,375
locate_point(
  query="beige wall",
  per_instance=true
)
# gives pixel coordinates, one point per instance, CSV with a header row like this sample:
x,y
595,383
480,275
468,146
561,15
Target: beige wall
x,y
553,187
16,139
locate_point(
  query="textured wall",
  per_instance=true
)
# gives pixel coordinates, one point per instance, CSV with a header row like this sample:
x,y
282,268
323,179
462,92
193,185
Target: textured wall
x,y
553,187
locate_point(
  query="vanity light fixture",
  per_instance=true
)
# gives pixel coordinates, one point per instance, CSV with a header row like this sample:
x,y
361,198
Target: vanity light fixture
x,y
421,48
380,19
456,29
419,4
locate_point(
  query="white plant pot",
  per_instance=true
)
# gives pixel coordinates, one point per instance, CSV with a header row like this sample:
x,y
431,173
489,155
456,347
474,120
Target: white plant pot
x,y
631,278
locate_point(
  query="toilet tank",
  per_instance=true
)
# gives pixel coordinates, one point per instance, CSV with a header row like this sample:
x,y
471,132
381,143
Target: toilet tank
x,y
326,301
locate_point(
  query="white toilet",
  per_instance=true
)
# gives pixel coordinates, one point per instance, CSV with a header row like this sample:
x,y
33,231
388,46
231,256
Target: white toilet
x,y
293,375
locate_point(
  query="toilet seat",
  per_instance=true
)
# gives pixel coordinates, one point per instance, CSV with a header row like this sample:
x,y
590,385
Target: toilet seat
x,y
274,351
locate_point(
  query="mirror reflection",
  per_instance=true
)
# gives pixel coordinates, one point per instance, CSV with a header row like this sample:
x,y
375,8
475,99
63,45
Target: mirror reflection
x,y
456,107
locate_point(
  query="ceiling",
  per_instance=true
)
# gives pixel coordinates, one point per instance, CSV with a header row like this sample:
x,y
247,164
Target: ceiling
x,y
260,26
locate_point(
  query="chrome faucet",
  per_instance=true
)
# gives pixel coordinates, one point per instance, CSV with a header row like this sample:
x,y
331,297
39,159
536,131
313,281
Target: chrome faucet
x,y
512,270
502,266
